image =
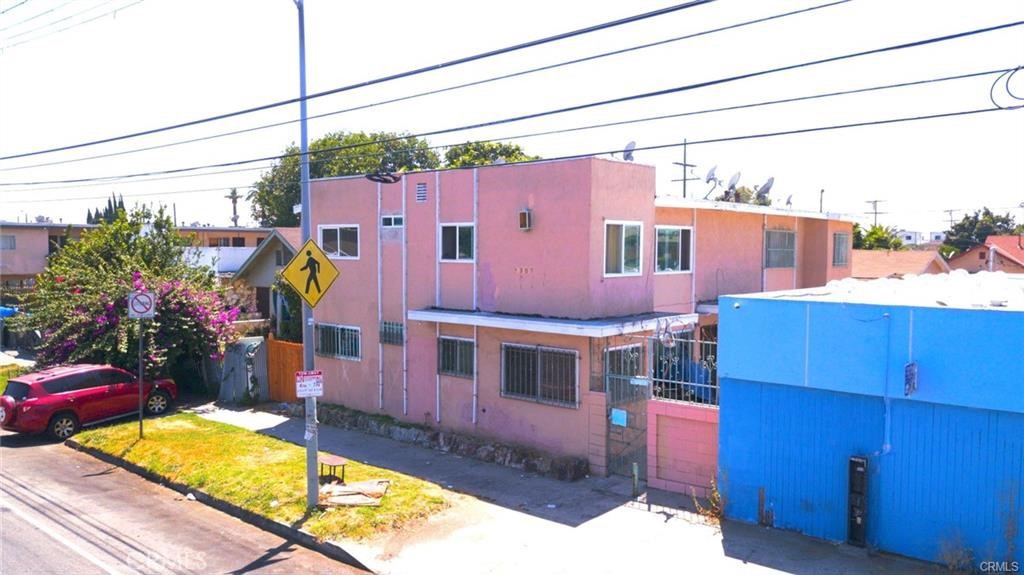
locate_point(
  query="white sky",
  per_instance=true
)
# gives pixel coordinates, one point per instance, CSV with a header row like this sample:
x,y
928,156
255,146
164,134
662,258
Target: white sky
x,y
159,62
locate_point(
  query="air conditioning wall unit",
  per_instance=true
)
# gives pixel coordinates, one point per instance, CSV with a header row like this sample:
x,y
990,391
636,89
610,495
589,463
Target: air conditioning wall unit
x,y
525,220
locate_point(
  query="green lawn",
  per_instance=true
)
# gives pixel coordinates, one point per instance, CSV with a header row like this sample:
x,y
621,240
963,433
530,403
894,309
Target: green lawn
x,y
261,474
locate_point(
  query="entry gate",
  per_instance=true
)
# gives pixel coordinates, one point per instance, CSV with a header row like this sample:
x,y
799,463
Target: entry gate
x,y
676,367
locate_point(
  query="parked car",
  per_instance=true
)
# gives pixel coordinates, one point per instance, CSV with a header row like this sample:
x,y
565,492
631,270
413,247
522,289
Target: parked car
x,y
60,400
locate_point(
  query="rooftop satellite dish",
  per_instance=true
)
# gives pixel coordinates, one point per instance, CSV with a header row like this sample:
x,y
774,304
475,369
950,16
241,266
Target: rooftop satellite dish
x,y
711,175
735,179
762,192
789,201
627,154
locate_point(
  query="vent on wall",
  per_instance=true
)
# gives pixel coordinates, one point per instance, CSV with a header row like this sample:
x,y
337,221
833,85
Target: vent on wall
x,y
421,192
525,220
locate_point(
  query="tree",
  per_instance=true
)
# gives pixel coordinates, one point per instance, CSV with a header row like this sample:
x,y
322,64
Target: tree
x,y
974,229
79,304
109,212
484,153
336,154
876,238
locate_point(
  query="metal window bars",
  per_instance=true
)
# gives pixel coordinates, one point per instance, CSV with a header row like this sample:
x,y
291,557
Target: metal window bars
x,y
541,374
455,357
392,333
336,341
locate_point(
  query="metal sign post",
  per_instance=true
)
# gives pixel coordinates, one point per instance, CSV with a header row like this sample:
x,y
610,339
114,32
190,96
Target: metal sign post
x,y
141,306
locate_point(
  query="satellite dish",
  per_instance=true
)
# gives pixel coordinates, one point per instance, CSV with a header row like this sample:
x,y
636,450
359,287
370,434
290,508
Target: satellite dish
x,y
735,179
711,175
789,201
762,192
627,154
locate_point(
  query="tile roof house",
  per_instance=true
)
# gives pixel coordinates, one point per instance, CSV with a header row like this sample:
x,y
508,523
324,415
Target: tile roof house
x,y
871,264
998,253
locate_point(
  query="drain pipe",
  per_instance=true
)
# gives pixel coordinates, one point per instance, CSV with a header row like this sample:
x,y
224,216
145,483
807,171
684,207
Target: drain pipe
x,y
437,239
405,303
476,228
437,377
476,389
764,256
380,307
693,266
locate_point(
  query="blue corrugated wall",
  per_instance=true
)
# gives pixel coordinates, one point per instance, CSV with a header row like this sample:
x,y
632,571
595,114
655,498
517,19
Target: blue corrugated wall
x,y
951,474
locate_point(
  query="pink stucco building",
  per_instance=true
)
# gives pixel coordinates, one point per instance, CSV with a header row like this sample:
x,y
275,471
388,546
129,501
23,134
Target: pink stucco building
x,y
518,302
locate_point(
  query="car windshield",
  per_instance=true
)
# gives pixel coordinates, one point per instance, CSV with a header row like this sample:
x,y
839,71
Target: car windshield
x,y
17,390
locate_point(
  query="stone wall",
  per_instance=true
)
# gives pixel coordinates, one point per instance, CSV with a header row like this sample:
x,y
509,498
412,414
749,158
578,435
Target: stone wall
x,y
563,468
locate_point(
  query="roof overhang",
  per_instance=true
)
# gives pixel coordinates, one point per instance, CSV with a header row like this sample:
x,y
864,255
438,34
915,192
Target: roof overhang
x,y
600,327
244,269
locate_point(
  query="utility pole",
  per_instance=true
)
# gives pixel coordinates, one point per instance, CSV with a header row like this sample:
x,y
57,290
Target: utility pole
x,y
950,212
821,200
685,166
312,448
874,209
234,196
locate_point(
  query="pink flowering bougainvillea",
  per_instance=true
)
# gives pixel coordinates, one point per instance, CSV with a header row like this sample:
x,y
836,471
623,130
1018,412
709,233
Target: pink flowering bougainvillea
x,y
79,307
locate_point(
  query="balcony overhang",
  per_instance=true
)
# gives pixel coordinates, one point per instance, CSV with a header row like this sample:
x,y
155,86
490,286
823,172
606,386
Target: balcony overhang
x,y
599,327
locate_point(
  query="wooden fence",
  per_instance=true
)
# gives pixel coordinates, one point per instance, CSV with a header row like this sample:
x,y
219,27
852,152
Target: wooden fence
x,y
284,358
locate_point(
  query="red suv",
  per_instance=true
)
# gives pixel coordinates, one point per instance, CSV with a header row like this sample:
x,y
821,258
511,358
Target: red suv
x,y
60,400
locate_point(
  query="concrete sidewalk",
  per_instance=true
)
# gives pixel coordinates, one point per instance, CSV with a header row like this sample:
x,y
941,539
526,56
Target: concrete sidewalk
x,y
504,521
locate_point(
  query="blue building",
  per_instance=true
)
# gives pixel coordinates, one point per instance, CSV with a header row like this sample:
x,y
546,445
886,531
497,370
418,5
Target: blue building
x,y
887,413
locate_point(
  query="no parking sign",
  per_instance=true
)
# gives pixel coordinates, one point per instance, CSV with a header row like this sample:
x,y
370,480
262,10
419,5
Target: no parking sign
x,y
141,305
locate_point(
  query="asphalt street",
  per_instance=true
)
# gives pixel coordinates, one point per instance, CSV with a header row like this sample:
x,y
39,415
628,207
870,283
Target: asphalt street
x,y
62,511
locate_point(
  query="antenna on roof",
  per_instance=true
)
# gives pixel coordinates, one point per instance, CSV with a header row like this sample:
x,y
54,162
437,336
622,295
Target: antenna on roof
x,y
627,154
789,201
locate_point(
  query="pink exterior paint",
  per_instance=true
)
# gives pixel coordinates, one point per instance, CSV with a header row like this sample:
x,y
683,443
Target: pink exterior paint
x,y
682,447
32,247
555,269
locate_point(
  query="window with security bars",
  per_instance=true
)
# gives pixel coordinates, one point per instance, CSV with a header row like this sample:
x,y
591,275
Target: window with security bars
x,y
779,249
455,356
539,374
421,192
840,250
337,341
624,361
392,332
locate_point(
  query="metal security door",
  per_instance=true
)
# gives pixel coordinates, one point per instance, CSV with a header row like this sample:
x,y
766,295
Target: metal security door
x,y
627,392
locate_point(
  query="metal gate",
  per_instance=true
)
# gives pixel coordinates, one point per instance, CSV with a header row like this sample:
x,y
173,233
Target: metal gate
x,y
674,366
627,392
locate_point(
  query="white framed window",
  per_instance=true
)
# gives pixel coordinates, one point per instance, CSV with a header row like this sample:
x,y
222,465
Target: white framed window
x,y
541,374
279,258
341,341
674,253
8,242
455,356
392,332
393,221
457,242
840,250
779,249
623,244
340,241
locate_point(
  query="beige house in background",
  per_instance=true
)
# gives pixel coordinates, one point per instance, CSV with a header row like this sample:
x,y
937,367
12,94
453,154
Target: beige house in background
x,y
873,264
998,253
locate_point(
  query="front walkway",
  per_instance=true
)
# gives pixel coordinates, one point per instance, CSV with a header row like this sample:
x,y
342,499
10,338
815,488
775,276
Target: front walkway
x,y
504,521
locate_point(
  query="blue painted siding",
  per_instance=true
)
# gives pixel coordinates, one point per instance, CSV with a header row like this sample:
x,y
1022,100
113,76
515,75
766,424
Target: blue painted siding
x,y
949,473
971,358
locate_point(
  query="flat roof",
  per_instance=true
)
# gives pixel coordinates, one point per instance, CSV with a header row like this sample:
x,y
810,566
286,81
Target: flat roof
x,y
957,289
693,203
600,327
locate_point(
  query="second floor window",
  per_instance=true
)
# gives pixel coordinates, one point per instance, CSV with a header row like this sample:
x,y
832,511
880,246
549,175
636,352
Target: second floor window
x,y
622,247
7,243
779,249
673,253
840,249
340,241
457,242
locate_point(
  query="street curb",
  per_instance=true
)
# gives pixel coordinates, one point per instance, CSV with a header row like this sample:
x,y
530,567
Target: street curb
x,y
293,534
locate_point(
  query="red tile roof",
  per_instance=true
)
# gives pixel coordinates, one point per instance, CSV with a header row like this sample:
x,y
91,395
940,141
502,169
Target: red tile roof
x,y
884,263
1009,246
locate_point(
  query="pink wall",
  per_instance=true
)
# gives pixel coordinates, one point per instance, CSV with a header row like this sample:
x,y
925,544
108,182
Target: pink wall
x,y
32,246
682,447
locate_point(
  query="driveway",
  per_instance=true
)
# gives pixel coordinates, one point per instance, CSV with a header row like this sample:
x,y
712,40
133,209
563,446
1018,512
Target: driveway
x,y
504,521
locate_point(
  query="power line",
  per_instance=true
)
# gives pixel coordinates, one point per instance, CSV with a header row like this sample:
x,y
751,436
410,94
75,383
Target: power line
x,y
721,140
440,90
75,25
48,24
874,208
29,19
578,107
6,10
417,71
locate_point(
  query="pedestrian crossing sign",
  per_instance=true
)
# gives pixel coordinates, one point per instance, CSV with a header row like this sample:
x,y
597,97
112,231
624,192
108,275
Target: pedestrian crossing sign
x,y
310,273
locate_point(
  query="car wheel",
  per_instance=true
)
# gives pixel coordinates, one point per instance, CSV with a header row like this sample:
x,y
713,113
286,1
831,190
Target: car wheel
x,y
63,426
158,402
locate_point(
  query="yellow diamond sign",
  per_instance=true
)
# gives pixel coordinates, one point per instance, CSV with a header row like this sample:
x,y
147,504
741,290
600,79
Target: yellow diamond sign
x,y
310,272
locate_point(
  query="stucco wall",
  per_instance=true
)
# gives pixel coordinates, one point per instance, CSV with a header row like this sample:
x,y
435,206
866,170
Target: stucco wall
x,y
682,447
